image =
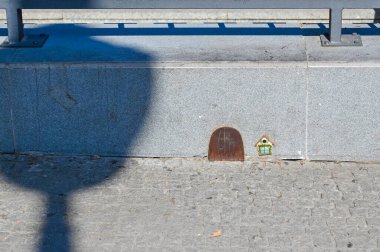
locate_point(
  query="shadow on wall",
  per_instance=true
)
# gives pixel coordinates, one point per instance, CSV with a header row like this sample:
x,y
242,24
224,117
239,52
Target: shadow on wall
x,y
95,105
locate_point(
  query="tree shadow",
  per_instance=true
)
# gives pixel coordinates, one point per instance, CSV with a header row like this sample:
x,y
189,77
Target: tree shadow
x,y
95,105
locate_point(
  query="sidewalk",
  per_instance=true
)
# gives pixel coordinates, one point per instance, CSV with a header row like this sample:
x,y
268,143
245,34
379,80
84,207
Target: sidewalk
x,y
115,204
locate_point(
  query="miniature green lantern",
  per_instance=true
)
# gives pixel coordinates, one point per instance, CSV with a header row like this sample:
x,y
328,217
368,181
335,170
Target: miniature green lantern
x,y
264,146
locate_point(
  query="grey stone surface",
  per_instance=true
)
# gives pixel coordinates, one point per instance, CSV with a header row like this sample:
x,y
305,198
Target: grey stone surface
x,y
344,113
6,134
83,110
196,43
79,110
364,56
190,103
177,204
80,16
153,90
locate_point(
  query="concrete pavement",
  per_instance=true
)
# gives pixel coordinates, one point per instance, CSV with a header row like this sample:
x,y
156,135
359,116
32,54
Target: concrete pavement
x,y
187,205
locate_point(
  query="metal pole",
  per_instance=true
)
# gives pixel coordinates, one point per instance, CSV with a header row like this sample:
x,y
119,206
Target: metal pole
x,y
15,25
335,26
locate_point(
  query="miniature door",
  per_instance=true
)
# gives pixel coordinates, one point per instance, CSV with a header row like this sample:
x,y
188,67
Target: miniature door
x,y
226,144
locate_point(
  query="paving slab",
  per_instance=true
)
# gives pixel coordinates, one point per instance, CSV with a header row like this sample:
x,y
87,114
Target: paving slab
x,y
114,204
344,113
121,43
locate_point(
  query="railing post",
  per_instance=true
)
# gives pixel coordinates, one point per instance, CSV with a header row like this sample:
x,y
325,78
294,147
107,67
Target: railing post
x,y
335,37
15,26
16,36
335,26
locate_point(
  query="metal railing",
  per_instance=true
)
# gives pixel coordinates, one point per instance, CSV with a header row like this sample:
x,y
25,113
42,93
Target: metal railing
x,y
17,38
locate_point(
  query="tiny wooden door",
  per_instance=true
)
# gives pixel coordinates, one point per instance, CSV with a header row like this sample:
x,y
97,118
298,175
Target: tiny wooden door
x,y
226,144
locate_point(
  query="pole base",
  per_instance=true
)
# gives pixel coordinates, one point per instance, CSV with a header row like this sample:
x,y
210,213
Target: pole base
x,y
28,41
346,40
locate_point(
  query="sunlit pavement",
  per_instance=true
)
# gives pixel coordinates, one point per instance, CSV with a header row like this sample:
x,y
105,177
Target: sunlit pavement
x,y
189,204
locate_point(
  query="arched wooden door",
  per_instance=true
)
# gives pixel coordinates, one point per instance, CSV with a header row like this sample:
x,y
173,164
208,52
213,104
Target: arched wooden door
x,y
226,144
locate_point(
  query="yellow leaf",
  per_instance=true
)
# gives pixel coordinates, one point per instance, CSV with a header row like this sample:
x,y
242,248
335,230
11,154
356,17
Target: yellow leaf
x,y
217,233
